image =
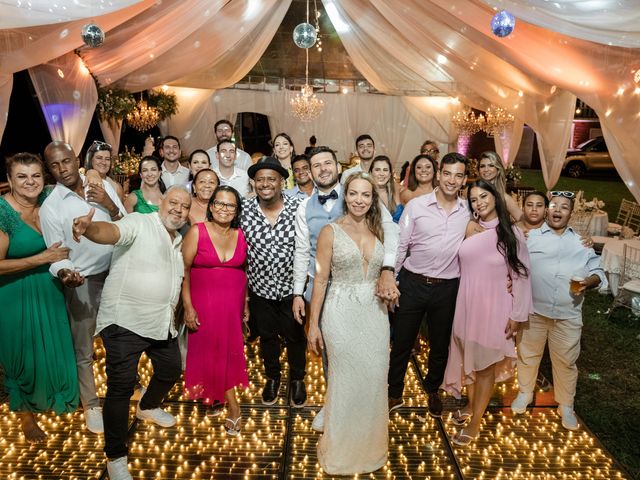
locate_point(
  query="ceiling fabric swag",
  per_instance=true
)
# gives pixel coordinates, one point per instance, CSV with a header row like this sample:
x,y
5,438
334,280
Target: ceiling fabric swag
x,y
45,12
220,40
26,47
610,22
534,73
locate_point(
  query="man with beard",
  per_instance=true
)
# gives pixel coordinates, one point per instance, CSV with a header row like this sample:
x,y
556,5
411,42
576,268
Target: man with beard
x,y
302,174
224,131
84,272
136,314
562,268
366,149
268,222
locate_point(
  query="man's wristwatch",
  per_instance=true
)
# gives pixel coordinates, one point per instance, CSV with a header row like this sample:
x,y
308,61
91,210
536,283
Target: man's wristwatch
x,y
387,267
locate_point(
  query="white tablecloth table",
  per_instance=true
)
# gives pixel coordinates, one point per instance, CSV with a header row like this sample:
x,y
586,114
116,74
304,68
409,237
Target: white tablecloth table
x,y
599,224
612,259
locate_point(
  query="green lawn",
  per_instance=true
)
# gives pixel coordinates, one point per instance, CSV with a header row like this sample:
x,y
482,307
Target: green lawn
x,y
607,187
608,393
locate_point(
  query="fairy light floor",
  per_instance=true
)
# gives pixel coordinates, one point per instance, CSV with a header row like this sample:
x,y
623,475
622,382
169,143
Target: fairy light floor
x,y
277,442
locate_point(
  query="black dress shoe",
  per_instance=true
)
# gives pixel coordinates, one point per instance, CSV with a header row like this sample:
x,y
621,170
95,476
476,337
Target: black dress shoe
x,y
298,393
270,391
435,405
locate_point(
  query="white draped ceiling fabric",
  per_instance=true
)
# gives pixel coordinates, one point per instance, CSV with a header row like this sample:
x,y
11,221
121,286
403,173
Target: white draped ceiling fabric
x,y
68,97
558,50
398,130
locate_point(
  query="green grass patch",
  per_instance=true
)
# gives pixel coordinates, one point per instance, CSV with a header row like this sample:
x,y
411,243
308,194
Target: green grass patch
x,y
608,187
608,392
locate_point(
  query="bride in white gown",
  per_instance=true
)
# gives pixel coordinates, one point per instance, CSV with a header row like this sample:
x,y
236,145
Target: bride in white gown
x,y
355,333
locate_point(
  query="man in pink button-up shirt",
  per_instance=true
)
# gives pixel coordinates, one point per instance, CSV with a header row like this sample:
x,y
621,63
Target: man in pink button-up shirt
x,y
432,229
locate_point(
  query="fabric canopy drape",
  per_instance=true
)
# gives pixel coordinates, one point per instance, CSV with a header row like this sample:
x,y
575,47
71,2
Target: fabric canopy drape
x,y
44,12
6,84
68,98
534,73
218,41
28,47
611,22
396,132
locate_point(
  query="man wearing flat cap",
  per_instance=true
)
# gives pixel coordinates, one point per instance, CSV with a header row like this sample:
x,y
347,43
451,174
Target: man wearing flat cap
x,y
268,222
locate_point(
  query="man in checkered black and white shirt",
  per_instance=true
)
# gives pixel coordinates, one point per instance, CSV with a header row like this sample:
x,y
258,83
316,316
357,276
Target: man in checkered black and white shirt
x,y
268,222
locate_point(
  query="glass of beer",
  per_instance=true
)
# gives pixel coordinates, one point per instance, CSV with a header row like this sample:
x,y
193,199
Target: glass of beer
x,y
576,284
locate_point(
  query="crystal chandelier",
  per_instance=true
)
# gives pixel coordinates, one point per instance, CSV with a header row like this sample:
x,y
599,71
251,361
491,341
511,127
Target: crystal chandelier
x,y
306,106
497,120
143,117
494,121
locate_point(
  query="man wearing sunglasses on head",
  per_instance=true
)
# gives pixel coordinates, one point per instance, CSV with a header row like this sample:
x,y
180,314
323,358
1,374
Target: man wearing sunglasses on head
x,y
562,269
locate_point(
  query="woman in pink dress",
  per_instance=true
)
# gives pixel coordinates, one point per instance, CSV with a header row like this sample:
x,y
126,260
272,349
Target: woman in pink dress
x,y
482,349
214,298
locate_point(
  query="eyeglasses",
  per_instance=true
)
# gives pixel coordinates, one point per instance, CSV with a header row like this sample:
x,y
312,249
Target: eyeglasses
x,y
562,193
97,145
224,206
431,150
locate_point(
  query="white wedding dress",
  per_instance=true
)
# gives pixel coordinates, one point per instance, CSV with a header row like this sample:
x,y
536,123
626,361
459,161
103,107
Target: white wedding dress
x,y
355,329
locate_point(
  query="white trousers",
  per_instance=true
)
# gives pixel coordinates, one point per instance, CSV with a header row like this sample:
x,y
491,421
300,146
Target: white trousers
x,y
564,347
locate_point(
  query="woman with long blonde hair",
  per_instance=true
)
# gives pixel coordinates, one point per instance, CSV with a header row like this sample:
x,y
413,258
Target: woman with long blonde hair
x,y
355,333
491,169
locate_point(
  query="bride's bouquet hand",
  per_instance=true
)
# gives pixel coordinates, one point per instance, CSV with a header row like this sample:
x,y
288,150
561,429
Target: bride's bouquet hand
x,y
314,340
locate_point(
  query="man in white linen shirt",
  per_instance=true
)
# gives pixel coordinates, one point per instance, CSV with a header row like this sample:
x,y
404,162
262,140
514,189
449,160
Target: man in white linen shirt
x,y
228,172
173,173
84,272
224,131
136,314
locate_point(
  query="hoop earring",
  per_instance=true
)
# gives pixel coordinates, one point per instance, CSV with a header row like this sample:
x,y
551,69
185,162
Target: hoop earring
x,y
475,215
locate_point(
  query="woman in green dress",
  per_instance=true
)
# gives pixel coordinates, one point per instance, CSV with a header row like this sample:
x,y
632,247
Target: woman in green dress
x,y
147,198
36,349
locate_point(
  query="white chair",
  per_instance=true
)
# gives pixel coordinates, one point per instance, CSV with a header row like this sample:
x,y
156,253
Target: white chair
x,y
629,279
580,222
633,220
626,207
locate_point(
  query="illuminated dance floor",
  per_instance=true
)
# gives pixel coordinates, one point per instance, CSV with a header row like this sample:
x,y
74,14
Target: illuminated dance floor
x,y
277,442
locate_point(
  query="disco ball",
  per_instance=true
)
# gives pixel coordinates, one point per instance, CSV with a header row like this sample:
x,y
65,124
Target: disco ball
x,y
503,23
304,35
92,35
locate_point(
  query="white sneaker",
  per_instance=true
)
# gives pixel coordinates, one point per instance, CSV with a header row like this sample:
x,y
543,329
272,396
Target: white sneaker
x,y
521,402
118,469
318,421
93,419
569,420
157,416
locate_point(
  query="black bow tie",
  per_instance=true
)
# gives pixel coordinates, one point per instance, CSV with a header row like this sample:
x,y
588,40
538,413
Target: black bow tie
x,y
323,198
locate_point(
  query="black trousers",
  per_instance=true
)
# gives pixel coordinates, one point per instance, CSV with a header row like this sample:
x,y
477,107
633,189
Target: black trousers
x,y
124,349
438,302
275,320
